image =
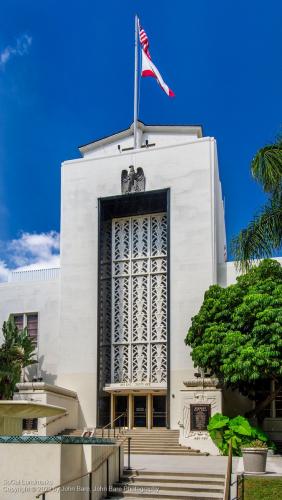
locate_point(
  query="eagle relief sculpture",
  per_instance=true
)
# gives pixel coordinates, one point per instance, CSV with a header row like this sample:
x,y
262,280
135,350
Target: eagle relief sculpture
x,y
132,181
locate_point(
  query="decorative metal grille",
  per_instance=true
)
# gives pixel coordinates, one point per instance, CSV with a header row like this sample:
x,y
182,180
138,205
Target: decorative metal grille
x,y
139,298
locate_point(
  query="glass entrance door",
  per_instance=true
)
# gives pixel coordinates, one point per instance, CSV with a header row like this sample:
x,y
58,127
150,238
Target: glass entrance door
x,y
159,411
121,411
140,411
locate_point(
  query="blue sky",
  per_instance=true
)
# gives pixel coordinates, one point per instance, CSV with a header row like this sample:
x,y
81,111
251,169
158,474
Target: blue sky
x,y
66,78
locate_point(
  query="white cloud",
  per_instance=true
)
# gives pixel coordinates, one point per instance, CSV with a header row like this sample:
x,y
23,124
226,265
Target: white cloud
x,y
4,271
20,48
31,251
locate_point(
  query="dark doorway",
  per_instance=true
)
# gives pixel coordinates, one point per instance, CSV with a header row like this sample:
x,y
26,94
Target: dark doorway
x,y
159,411
121,411
140,411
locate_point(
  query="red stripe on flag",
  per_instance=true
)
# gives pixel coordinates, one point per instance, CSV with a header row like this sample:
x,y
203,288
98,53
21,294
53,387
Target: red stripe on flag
x,y
149,69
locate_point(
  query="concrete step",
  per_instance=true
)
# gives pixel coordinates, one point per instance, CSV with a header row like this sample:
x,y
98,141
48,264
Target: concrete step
x,y
169,485
176,447
153,433
174,478
162,449
174,487
153,439
157,452
127,474
138,430
138,442
169,496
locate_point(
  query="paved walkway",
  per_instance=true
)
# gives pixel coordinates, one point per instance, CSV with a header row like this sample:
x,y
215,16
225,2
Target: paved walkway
x,y
206,465
178,463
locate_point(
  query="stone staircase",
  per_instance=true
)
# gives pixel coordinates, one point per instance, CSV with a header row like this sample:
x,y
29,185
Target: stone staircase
x,y
144,485
151,482
158,441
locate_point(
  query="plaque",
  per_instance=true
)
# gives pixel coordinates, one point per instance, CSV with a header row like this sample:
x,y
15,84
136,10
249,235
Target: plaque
x,y
200,415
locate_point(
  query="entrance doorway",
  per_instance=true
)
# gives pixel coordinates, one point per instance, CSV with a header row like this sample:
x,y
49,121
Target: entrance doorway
x,y
140,411
159,411
121,411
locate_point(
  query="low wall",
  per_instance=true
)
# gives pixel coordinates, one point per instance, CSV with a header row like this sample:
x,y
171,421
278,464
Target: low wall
x,y
40,392
27,469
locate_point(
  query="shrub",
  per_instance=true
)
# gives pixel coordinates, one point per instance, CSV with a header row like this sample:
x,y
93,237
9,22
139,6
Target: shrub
x,y
238,431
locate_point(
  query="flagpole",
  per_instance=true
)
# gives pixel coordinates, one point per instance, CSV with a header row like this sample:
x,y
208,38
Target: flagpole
x,y
135,84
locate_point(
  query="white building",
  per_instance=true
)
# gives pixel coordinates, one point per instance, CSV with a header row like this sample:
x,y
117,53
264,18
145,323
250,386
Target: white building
x,y
134,268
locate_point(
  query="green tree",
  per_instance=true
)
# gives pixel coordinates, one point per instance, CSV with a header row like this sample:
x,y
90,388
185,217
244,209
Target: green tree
x,y
16,352
237,334
263,235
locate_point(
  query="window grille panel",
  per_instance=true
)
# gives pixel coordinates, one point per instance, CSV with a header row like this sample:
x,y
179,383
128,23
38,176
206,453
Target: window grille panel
x,y
140,308
159,235
140,363
139,299
140,239
121,239
158,362
121,363
158,304
121,310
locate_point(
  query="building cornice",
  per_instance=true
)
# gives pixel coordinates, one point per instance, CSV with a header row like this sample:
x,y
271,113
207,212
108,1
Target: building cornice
x,y
176,129
24,387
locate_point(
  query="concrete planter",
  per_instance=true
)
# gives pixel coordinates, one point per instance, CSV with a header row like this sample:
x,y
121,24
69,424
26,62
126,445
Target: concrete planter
x,y
254,460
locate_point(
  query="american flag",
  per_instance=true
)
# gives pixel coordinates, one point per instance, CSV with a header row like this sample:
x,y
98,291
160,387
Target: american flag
x,y
144,40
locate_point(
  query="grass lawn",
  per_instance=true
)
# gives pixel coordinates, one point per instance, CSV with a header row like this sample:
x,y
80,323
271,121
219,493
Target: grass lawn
x,y
262,488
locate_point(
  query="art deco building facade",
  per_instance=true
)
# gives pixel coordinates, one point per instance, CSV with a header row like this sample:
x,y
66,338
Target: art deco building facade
x,y
142,238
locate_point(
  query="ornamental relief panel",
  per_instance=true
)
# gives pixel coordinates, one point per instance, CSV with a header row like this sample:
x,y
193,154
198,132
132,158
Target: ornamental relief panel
x,y
139,298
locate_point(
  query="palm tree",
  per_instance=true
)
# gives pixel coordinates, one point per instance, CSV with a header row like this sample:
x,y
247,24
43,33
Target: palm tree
x,y
263,236
16,352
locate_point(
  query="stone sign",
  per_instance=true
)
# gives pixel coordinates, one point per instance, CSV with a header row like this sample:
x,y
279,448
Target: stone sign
x,y
200,415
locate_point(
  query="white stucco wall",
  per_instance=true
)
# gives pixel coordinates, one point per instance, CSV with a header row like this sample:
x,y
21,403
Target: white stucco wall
x,y
42,297
227,273
30,469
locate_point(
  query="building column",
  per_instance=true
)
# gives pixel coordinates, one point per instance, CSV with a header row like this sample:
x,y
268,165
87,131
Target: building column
x,y
149,411
112,409
130,411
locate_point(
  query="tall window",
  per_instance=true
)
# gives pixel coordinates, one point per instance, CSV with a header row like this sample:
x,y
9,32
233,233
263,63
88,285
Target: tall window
x,y
139,299
29,320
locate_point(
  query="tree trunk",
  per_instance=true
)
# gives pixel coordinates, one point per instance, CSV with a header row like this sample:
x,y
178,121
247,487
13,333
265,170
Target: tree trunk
x,y
263,404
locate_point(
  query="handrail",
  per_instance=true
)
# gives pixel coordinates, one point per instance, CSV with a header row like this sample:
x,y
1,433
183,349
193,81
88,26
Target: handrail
x,y
227,483
43,493
109,425
55,419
